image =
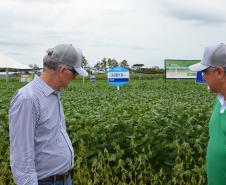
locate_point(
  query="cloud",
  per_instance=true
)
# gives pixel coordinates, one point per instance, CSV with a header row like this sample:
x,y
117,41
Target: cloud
x,y
197,16
145,31
124,46
13,43
202,12
42,1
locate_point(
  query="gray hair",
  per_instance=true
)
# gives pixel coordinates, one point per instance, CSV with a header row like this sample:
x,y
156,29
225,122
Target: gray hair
x,y
213,68
49,62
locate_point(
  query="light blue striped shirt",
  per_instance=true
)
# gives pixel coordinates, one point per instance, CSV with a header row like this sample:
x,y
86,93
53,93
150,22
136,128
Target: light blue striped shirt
x,y
39,144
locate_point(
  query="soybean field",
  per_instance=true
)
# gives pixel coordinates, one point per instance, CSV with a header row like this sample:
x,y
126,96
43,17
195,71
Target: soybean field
x,y
149,132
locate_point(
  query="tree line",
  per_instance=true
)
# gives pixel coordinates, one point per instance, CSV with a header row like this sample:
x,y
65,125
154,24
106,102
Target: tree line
x,y
107,63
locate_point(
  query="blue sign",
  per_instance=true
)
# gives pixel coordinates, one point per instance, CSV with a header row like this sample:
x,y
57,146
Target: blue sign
x,y
93,78
199,77
118,76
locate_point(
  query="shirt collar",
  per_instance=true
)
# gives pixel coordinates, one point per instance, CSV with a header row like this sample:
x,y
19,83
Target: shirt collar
x,y
222,102
221,99
57,93
44,87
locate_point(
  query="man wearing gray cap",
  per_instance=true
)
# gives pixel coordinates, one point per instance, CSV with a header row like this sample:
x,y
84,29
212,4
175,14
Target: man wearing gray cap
x,y
213,66
40,149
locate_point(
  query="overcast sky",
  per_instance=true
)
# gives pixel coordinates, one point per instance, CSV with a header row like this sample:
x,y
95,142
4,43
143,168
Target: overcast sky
x,y
139,31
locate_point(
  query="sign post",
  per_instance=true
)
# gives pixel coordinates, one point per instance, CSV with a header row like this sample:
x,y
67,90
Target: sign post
x,y
118,76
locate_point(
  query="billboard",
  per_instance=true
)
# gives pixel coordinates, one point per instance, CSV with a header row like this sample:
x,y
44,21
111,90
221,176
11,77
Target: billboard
x,y
179,68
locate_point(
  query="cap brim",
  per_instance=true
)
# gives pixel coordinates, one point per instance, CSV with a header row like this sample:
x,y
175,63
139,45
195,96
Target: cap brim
x,y
198,67
81,71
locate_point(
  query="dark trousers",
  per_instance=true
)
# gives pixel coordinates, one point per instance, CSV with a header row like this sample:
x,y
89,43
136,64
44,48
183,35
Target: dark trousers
x,y
66,181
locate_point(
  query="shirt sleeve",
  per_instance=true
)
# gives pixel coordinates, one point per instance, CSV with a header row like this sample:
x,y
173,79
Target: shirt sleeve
x,y
22,132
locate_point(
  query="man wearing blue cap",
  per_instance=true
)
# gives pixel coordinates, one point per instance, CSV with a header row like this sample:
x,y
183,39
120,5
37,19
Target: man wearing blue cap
x,y
41,152
213,66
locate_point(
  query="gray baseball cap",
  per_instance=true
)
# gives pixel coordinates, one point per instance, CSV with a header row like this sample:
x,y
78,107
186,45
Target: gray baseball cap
x,y
68,55
214,56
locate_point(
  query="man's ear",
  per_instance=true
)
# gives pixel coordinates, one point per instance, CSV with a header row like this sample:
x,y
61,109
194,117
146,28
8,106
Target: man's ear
x,y
61,70
220,72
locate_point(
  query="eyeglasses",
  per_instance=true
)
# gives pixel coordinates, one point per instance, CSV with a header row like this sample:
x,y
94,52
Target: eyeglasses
x,y
208,69
72,70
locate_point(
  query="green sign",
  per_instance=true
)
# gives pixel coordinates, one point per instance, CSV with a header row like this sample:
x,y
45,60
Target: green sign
x,y
179,68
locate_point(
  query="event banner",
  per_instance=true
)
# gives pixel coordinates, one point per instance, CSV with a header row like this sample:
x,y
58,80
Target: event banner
x,y
179,68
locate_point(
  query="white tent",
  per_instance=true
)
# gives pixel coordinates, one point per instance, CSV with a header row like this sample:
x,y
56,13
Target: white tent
x,y
7,64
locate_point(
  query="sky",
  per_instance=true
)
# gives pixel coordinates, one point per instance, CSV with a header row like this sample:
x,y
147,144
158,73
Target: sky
x,y
139,31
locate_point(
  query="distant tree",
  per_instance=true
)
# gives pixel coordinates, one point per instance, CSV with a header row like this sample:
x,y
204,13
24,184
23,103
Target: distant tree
x,y
124,63
84,62
114,63
137,66
152,70
98,65
34,67
156,67
109,62
104,63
